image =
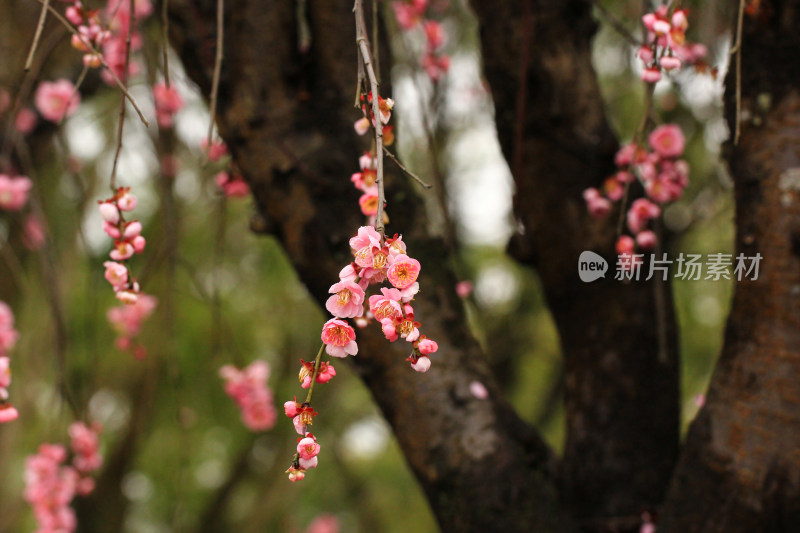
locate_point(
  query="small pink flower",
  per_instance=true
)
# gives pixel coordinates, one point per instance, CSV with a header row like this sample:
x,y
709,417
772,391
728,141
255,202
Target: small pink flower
x,y
57,99
464,288
324,524
369,204
389,329
403,271
8,413
347,300
168,102
126,202
138,244
14,192
217,151
651,74
667,140
434,33
645,53
25,121
646,239
669,63
422,365
109,212
132,230
291,408
116,274
386,304
308,448
296,475
427,346
478,390
625,245
361,125
122,251
339,338
363,244
640,212
306,464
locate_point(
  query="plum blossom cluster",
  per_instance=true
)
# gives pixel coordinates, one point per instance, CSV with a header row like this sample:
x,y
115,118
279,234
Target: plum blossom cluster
x,y
412,15
365,180
666,47
229,180
101,42
248,388
8,337
168,102
52,482
376,260
128,241
661,172
127,320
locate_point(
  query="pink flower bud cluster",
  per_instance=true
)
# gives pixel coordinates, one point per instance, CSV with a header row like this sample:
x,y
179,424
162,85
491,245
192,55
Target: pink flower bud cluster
x,y
51,484
14,191
666,47
660,171
8,337
128,241
248,388
305,458
385,106
230,181
168,101
118,13
91,34
412,15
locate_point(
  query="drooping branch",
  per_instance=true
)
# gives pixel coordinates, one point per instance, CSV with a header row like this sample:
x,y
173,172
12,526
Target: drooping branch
x,y
287,118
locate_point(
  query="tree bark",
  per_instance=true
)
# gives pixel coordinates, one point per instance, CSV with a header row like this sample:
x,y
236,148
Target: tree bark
x,y
740,471
286,114
622,400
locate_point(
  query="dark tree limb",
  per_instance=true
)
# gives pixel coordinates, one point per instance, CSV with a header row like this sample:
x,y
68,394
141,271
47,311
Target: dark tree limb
x,y
621,399
740,471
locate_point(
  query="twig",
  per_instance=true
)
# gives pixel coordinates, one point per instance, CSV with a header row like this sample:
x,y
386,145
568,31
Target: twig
x,y
121,126
375,51
397,162
37,35
737,49
637,139
317,362
217,69
165,39
367,59
616,24
95,52
75,91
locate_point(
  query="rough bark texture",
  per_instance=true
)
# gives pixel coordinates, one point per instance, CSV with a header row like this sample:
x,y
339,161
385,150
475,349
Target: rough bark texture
x,y
740,471
621,396
286,115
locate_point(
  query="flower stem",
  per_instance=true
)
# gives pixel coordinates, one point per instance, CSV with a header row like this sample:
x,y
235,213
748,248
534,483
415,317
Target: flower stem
x,y
317,362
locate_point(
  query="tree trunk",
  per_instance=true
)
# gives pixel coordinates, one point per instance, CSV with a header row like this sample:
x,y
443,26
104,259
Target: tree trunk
x,y
621,372
740,471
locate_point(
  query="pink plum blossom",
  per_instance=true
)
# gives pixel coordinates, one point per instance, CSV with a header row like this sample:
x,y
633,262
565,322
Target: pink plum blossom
x,y
422,364
427,346
347,300
339,338
308,448
464,288
478,390
8,413
640,212
14,192
57,99
646,239
667,140
116,274
324,524
403,271
25,121
386,304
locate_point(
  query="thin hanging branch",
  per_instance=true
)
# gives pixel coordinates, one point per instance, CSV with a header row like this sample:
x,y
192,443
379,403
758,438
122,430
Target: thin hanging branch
x,y
217,70
95,52
37,35
120,127
737,49
397,162
368,62
165,40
